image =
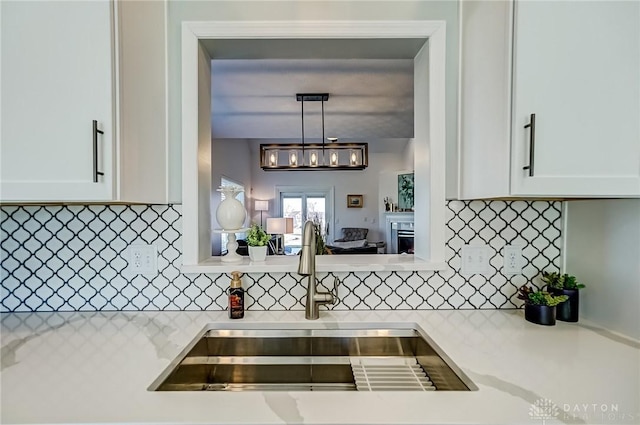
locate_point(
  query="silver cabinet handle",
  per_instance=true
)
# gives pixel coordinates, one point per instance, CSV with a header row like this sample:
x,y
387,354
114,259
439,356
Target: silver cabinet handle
x,y
96,173
532,143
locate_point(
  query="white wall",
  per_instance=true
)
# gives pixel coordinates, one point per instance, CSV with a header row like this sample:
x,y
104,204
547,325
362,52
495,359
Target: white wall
x,y
408,154
179,11
603,251
363,182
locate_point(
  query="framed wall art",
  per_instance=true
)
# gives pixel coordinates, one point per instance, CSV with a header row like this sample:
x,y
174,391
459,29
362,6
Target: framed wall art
x,y
405,192
355,201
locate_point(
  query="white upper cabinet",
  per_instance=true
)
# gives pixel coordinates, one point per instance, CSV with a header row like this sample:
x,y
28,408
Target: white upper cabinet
x,y
576,67
67,64
57,77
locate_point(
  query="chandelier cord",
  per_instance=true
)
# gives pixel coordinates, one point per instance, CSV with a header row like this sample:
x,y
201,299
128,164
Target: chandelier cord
x,y
302,119
323,128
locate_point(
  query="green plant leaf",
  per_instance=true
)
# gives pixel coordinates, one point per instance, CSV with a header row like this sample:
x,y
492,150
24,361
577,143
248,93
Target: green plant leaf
x,y
557,281
256,236
540,297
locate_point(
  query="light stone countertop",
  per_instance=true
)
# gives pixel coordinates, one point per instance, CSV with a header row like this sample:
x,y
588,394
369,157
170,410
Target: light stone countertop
x,y
95,367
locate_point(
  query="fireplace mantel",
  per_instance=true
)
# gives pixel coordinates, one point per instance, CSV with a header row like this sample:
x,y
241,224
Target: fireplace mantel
x,y
398,217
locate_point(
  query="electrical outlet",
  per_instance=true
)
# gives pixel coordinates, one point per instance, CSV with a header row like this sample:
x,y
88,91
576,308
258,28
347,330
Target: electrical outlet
x,y
512,259
143,259
475,259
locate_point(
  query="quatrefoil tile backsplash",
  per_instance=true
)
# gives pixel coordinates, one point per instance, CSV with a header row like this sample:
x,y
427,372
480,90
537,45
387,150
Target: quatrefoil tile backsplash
x,y
67,258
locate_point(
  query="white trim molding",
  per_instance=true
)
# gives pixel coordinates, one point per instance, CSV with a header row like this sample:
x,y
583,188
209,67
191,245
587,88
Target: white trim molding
x,y
313,29
196,164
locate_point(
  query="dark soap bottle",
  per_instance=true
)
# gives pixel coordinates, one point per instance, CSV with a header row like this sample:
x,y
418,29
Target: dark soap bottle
x,y
236,297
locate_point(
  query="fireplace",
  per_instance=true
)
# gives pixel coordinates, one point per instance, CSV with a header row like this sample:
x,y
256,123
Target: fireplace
x,y
405,241
400,233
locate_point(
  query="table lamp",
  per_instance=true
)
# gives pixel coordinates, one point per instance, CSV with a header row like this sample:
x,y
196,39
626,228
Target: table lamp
x,y
261,206
279,226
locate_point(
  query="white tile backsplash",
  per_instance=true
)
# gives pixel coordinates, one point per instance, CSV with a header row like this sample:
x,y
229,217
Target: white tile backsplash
x,y
61,258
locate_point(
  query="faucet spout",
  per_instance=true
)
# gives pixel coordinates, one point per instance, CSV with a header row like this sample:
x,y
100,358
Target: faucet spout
x,y
307,267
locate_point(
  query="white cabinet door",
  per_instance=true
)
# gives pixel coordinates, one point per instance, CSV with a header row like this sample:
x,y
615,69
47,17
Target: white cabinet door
x,y
485,99
577,68
57,77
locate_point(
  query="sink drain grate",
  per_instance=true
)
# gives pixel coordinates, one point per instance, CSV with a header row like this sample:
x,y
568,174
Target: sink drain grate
x,y
390,374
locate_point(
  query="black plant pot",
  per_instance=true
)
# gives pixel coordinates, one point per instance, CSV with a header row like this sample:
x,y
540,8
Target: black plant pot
x,y
568,310
540,314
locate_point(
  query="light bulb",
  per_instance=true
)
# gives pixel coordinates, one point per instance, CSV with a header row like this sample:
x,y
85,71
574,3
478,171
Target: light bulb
x,y
333,158
314,158
273,159
354,158
293,158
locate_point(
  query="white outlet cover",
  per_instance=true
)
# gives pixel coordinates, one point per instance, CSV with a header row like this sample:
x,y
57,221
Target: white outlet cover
x,y
475,260
143,259
512,259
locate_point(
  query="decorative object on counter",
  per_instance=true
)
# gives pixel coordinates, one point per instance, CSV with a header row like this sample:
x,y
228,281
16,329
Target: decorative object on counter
x,y
236,297
355,201
232,255
257,240
261,206
314,156
279,226
387,204
230,213
405,192
540,306
564,284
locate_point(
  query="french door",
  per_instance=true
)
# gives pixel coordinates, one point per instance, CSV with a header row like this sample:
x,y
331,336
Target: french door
x,y
305,204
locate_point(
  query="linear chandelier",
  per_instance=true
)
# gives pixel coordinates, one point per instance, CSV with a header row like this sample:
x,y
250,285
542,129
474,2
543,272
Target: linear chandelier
x,y
314,156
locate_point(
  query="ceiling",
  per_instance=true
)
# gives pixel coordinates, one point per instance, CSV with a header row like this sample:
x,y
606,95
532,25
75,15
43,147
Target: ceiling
x,y
370,86
349,48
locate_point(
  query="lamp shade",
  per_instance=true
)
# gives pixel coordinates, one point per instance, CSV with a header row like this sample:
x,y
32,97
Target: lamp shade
x,y
280,226
261,205
288,225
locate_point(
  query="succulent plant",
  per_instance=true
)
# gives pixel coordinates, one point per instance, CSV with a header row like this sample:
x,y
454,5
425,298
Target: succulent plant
x,y
556,280
529,296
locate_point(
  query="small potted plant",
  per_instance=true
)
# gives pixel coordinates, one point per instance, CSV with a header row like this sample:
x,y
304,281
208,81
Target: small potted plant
x,y
564,284
540,306
257,240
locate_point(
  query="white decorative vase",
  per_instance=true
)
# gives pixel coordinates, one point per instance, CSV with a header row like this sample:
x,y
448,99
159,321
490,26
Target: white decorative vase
x,y
230,213
258,253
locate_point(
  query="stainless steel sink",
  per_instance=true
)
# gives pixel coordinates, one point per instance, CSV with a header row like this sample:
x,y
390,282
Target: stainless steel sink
x,y
291,358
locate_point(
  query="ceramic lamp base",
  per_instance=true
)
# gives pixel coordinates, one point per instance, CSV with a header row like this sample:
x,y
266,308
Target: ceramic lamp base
x,y
231,256
232,245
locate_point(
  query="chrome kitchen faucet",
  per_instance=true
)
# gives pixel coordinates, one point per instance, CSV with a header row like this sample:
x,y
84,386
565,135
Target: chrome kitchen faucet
x,y
307,267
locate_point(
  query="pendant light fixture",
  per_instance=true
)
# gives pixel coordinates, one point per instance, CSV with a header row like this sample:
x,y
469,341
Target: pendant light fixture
x,y
314,156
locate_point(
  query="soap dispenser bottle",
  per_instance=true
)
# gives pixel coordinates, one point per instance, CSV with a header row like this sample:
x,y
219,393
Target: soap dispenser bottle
x,y
236,297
